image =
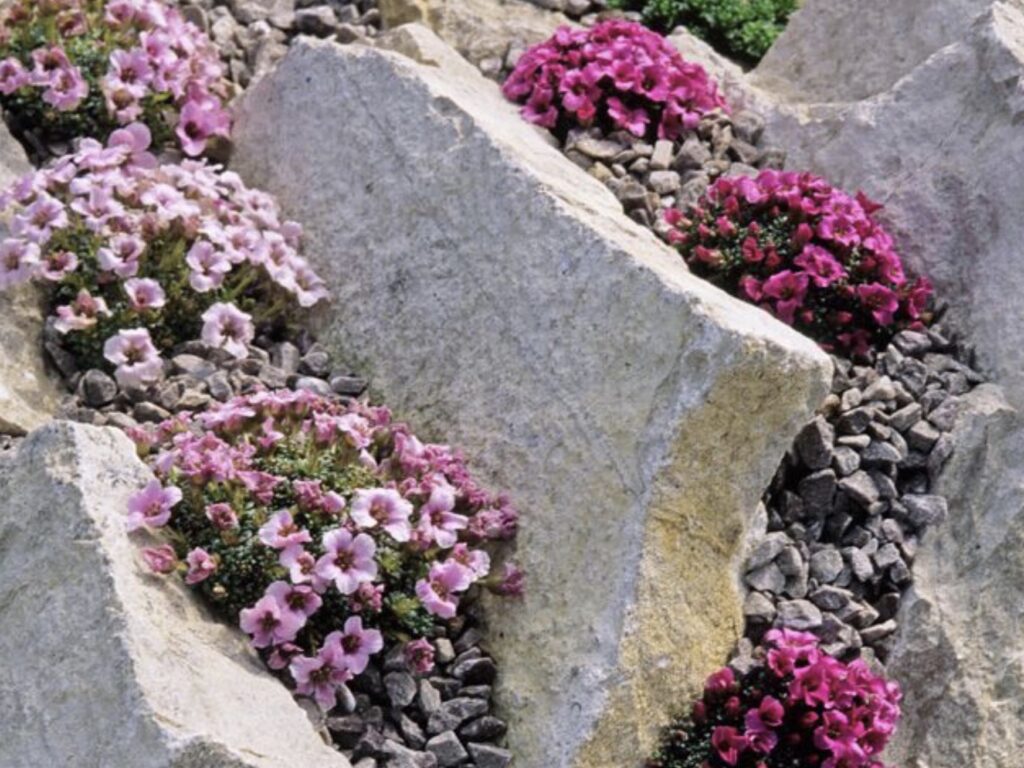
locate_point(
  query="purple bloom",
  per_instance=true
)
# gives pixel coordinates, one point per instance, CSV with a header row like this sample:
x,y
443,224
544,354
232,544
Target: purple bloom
x,y
144,294
227,327
300,599
301,566
437,520
419,656
281,531
321,676
270,623
222,516
348,561
19,262
383,506
208,266
137,360
356,645
122,255
81,313
57,265
438,591
67,90
160,559
200,566
151,507
199,121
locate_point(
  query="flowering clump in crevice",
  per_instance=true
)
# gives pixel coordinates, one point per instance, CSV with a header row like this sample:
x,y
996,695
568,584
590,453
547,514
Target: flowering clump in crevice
x,y
808,253
617,75
326,532
797,707
73,68
141,256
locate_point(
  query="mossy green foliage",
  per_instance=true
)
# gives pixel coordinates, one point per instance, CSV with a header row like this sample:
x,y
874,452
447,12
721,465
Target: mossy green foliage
x,y
742,29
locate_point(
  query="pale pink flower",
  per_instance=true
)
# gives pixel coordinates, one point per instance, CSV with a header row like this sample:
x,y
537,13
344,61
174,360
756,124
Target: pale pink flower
x,y
37,222
144,294
301,566
348,561
355,645
321,676
67,90
227,327
477,561
197,122
439,591
122,255
13,76
200,566
138,361
299,599
222,516
270,623
384,507
281,531
57,265
151,507
19,262
80,314
437,520
208,266
419,656
160,559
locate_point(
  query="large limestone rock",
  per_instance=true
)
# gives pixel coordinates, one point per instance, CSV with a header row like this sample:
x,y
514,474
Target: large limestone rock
x,y
478,29
500,300
943,150
28,391
960,655
844,50
105,665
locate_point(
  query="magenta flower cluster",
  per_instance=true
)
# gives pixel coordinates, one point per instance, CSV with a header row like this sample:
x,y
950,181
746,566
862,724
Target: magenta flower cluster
x,y
617,75
810,254
326,531
800,706
77,67
141,256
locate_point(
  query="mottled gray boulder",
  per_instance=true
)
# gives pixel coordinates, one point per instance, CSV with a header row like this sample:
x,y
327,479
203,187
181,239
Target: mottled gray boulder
x,y
960,654
942,148
28,391
844,50
500,300
105,665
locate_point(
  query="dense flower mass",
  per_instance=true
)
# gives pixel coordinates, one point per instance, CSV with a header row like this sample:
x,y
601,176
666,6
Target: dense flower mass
x,y
616,75
808,253
798,707
84,67
325,531
141,256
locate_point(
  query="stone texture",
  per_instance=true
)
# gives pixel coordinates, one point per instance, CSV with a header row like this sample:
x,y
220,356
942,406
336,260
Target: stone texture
x,y
844,51
634,412
478,29
28,392
960,649
941,148
115,667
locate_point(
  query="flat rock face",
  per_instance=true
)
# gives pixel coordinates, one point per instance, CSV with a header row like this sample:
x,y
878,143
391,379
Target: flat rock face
x,y
28,392
500,300
478,29
942,150
844,51
105,664
960,656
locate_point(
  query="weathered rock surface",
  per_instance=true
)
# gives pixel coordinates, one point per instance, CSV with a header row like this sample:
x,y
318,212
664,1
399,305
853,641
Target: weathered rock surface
x,y
481,30
960,655
845,51
496,296
104,664
941,149
28,393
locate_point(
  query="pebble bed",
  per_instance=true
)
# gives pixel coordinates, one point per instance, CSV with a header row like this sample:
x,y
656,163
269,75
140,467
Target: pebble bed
x,y
395,718
648,177
848,507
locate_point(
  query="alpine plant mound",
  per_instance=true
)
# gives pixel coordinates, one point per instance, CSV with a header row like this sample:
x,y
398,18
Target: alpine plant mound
x,y
806,252
797,707
326,532
139,256
73,68
617,75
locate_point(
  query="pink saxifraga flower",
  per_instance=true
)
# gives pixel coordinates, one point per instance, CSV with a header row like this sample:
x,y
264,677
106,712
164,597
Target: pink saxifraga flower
x,y
19,262
348,560
201,566
138,361
298,598
282,532
80,314
151,507
384,507
144,294
355,645
222,516
439,591
419,656
161,559
321,676
228,328
270,623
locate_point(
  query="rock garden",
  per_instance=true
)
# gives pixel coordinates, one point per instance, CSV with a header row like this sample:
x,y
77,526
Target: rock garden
x,y
487,383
